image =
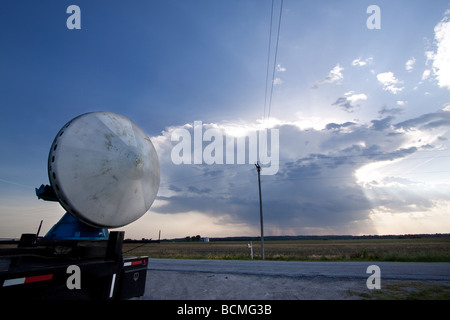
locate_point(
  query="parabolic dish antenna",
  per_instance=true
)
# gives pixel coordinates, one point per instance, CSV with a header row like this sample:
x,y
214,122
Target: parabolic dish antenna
x,y
104,169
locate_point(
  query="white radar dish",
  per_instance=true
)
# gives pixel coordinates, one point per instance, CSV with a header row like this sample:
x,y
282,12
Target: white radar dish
x,y
104,169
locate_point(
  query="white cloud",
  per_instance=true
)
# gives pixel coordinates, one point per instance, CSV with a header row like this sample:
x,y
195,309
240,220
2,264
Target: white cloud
x,y
280,68
426,74
409,66
352,97
393,89
401,103
430,57
277,81
389,82
347,102
387,78
441,58
360,63
334,76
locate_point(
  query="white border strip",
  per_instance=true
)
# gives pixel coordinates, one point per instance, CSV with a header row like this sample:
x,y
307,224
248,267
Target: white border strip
x,y
111,291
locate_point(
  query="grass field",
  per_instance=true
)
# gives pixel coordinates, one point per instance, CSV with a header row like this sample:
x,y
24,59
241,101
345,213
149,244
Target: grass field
x,y
412,250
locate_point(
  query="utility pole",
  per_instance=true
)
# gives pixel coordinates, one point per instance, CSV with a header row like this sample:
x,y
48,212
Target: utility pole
x,y
39,229
258,168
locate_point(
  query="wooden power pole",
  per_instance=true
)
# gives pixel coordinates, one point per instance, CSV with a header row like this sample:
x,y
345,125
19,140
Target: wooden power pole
x,y
258,168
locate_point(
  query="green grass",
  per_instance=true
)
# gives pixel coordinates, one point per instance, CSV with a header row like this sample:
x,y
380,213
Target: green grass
x,y
401,250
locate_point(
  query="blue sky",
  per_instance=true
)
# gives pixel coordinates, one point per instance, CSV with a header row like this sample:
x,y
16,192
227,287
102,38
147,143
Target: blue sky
x,y
363,115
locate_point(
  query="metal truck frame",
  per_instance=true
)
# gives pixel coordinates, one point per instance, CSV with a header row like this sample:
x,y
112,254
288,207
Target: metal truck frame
x,y
41,269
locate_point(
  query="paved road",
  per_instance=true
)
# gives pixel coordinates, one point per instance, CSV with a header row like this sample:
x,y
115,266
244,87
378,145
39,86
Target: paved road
x,y
389,270
236,279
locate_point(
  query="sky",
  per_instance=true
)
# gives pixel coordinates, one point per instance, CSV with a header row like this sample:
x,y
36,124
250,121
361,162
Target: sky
x,y
363,113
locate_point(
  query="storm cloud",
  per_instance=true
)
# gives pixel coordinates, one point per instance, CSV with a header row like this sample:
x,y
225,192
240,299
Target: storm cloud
x,y
315,188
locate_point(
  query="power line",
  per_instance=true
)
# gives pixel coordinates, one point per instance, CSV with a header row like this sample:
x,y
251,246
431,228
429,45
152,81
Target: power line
x,y
266,122
268,61
275,62
15,183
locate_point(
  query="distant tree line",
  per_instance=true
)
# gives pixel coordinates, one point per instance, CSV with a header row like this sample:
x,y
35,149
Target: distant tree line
x,y
198,238
193,238
334,237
